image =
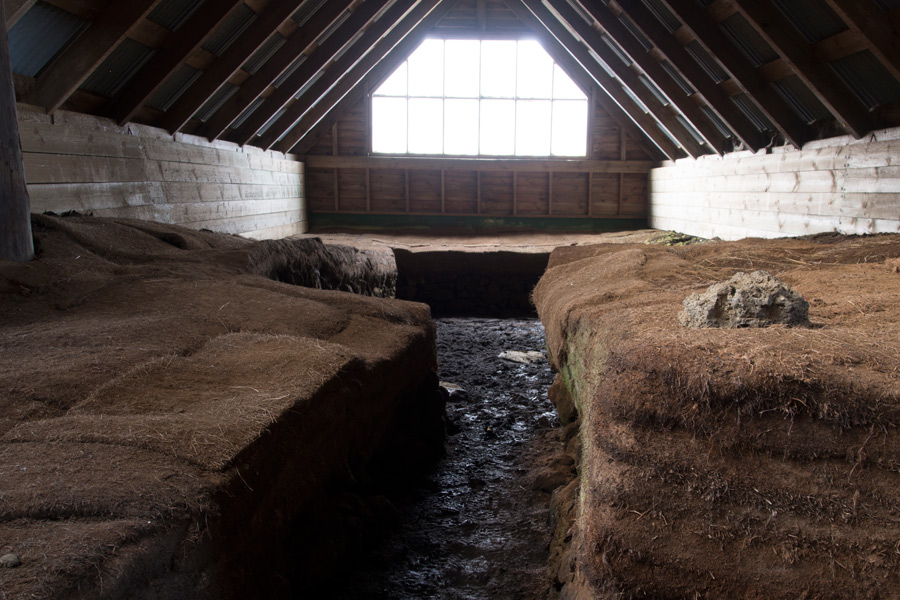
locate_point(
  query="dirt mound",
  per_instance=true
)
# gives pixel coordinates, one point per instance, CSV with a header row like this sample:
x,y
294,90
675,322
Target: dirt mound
x,y
172,417
745,463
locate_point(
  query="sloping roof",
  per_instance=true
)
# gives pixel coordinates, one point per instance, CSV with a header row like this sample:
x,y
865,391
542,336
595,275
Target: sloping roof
x,y
691,77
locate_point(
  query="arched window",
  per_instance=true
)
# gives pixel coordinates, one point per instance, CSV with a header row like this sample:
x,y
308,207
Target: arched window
x,y
479,98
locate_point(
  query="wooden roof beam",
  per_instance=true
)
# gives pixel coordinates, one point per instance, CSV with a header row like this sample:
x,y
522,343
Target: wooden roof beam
x,y
251,89
876,31
532,11
560,53
359,20
379,62
225,66
60,80
773,106
663,113
363,45
172,55
775,28
15,10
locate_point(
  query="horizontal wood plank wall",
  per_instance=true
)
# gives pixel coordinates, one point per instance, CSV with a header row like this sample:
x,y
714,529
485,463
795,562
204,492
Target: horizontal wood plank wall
x,y
611,183
91,165
840,184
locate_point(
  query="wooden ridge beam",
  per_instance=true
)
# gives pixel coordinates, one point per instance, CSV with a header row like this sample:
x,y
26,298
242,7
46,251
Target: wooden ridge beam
x,y
15,10
364,44
629,78
711,38
380,62
877,33
359,20
617,31
175,50
534,12
67,72
283,58
225,66
775,28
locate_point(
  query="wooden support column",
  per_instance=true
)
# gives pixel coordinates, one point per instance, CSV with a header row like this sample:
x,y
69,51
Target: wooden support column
x,y
16,243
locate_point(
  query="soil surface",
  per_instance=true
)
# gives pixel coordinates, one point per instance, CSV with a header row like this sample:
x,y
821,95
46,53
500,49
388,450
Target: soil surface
x,y
477,527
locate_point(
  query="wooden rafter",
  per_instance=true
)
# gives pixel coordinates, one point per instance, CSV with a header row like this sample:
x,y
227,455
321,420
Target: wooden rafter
x,y
253,87
384,57
85,54
363,45
740,71
359,20
177,47
227,65
532,12
657,74
774,27
15,9
629,78
874,30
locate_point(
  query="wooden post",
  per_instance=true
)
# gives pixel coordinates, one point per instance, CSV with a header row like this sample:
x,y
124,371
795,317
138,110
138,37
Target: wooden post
x,y
16,243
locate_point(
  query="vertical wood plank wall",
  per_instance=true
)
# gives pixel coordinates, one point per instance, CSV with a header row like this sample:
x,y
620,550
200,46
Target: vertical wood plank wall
x,y
88,164
839,184
610,184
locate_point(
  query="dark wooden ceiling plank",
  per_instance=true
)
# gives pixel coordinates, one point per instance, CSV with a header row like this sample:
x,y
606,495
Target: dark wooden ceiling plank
x,y
380,62
531,11
68,71
878,34
251,89
337,70
707,33
663,113
657,74
225,66
360,19
775,28
170,57
15,10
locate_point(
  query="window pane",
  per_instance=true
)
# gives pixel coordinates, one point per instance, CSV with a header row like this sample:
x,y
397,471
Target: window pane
x,y
563,86
569,128
535,71
395,85
426,126
498,127
498,73
425,75
389,125
461,127
533,128
462,68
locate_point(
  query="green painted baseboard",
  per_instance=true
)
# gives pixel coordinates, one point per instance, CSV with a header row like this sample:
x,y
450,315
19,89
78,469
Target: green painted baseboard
x,y
326,221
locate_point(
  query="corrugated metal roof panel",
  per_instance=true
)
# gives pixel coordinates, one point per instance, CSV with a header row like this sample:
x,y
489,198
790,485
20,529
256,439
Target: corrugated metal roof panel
x,y
271,121
617,49
749,108
717,122
888,5
247,112
654,89
309,8
676,76
814,19
691,129
633,29
235,24
743,35
333,27
172,14
216,101
264,53
309,84
173,87
665,16
801,99
39,35
290,70
118,68
868,79
706,62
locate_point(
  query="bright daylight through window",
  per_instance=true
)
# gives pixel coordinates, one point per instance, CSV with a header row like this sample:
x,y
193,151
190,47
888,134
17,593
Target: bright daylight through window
x,y
480,97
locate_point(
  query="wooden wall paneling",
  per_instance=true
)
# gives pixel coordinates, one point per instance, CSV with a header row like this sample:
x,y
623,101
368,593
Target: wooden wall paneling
x,y
550,196
226,65
283,58
424,191
368,190
320,188
634,196
388,191
461,192
443,191
571,192
482,164
497,193
531,194
337,190
478,192
352,190
605,193
515,193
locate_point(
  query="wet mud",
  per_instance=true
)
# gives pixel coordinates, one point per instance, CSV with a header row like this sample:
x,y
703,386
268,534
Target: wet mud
x,y
477,525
